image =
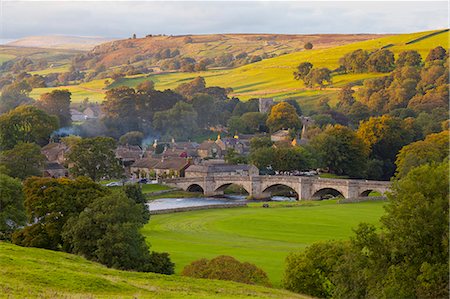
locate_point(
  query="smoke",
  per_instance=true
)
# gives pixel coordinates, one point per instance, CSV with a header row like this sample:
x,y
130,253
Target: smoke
x,y
66,131
149,140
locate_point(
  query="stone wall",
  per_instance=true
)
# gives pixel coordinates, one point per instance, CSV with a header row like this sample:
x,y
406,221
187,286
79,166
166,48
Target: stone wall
x,y
207,207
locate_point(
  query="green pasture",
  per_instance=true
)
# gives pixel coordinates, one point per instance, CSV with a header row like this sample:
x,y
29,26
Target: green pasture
x,y
263,236
93,90
273,77
39,273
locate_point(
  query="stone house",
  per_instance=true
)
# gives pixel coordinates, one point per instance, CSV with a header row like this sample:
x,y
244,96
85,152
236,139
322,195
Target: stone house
x,y
210,149
55,152
93,111
77,116
159,167
55,170
281,135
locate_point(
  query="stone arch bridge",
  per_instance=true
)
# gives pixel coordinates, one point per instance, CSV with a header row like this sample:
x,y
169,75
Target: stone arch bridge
x,y
259,187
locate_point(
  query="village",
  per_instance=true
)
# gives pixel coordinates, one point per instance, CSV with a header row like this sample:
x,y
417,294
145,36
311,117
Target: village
x,y
170,159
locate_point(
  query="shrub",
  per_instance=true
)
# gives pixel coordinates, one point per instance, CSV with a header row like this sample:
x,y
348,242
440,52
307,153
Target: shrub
x,y
226,268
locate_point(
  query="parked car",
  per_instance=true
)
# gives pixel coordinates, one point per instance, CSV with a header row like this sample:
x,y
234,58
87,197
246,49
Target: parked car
x,y
113,184
143,181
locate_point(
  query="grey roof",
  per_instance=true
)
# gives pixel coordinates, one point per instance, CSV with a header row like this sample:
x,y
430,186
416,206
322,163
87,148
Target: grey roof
x,y
215,168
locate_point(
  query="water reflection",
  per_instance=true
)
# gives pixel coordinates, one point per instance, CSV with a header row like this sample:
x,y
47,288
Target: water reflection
x,y
172,203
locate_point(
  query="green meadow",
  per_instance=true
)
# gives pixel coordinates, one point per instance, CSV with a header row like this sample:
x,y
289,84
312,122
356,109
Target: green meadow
x,y
40,273
263,236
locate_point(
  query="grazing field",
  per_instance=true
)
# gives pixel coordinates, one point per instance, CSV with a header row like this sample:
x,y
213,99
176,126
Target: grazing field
x,y
39,273
263,236
273,77
93,90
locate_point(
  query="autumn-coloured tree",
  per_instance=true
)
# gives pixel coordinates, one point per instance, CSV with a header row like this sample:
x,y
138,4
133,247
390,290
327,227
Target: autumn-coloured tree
x,y
57,102
283,116
434,148
226,268
26,124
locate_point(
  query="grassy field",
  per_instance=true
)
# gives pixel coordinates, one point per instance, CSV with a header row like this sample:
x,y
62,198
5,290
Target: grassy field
x,y
273,77
148,188
254,234
94,90
39,273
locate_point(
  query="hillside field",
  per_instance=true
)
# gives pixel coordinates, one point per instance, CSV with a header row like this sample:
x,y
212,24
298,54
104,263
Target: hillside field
x,y
39,273
263,236
273,77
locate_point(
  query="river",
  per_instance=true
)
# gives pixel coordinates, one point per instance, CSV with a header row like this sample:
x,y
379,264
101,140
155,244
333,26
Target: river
x,y
172,203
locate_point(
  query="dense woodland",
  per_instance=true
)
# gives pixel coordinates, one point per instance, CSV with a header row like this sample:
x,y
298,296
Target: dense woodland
x,y
392,126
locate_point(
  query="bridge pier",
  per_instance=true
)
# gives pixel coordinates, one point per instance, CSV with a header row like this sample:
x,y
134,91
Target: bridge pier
x,y
259,187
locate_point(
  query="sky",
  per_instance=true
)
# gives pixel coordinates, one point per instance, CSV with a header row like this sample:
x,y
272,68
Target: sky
x,y
119,19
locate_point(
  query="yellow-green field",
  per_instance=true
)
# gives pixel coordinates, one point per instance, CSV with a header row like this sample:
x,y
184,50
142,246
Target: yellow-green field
x,y
273,77
94,90
39,273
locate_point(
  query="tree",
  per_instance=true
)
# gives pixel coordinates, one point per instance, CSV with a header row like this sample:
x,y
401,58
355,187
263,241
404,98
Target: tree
x,y
95,158
49,204
433,149
318,77
384,136
12,210
310,272
381,61
294,103
189,89
302,70
226,268
409,58
260,142
178,122
57,103
355,62
26,124
146,86
283,116
132,138
438,53
248,123
22,161
108,232
14,95
134,192
308,46
345,99
407,259
341,151
206,108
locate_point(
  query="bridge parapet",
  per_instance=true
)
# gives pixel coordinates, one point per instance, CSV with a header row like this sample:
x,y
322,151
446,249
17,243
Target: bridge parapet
x,y
305,187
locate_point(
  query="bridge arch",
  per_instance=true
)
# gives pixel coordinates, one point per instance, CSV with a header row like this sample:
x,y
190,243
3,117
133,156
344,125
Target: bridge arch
x,y
222,187
327,192
366,192
195,188
281,188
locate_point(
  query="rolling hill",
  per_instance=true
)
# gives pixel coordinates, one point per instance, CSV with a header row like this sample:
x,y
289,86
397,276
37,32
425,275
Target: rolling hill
x,y
273,77
81,43
32,273
212,45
